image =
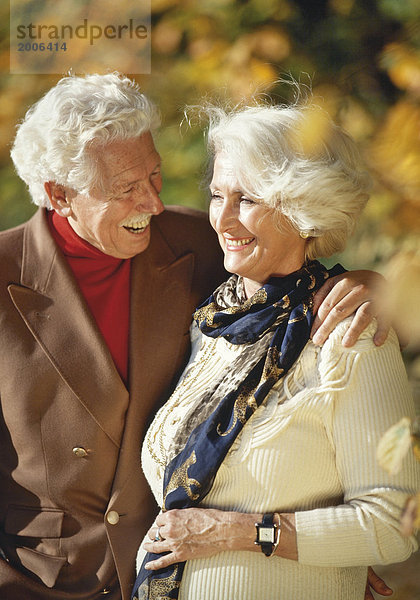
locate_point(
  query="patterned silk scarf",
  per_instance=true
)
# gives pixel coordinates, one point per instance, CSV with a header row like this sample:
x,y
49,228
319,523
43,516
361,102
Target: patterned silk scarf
x,y
282,306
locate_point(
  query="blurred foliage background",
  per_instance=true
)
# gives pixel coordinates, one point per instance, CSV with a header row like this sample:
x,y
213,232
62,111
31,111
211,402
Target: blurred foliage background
x,y
363,57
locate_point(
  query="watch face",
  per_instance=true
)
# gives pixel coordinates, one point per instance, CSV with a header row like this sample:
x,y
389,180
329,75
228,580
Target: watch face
x,y
266,534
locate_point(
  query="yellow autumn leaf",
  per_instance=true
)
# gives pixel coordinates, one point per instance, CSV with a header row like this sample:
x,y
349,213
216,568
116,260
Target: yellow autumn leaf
x,y
271,44
403,65
166,37
342,7
410,519
395,150
312,131
402,300
415,438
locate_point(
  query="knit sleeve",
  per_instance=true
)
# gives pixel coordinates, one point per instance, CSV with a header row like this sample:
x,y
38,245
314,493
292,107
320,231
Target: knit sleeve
x,y
367,390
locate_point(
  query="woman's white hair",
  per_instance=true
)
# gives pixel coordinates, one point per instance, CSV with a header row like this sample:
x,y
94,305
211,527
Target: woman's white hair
x,y
297,161
56,138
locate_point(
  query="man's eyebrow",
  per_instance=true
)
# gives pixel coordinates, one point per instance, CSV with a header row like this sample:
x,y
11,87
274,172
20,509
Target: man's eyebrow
x,y
121,184
118,186
127,183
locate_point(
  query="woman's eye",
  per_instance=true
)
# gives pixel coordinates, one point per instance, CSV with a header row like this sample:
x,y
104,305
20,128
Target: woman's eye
x,y
246,200
216,197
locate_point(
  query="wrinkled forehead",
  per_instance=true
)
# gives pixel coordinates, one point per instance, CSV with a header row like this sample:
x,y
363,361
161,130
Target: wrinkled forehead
x,y
127,160
224,166
229,173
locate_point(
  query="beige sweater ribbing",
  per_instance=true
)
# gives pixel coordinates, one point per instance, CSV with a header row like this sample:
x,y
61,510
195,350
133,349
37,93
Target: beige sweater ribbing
x,y
311,449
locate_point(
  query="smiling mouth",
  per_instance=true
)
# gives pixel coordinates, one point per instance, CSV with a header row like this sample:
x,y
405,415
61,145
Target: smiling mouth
x,y
237,244
137,226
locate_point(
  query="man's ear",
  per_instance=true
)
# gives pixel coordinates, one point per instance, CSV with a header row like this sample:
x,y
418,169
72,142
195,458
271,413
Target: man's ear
x,y
59,201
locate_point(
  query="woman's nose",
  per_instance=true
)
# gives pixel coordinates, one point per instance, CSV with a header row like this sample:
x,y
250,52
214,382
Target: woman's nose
x,y
225,215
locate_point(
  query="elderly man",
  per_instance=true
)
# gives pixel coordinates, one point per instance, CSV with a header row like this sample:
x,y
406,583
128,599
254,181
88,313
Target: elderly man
x,y
96,298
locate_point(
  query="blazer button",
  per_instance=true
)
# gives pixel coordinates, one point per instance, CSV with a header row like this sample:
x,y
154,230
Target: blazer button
x,y
112,517
105,591
80,452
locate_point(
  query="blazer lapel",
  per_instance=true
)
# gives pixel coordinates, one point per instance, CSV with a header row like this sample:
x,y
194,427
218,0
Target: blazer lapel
x,y
160,316
49,301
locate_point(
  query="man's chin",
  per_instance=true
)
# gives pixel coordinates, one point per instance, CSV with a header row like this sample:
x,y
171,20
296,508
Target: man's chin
x,y
138,244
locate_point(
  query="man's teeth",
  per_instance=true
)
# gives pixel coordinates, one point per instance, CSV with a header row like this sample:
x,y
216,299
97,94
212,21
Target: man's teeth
x,y
242,242
136,226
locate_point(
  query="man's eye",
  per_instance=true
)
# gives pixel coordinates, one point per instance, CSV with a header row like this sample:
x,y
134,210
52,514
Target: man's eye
x,y
246,200
128,191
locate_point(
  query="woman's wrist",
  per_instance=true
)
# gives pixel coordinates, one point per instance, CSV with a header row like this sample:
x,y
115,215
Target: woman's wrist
x,y
285,544
241,533
287,547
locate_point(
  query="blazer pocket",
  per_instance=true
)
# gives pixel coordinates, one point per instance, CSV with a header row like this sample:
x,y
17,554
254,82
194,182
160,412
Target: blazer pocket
x,y
30,521
47,567
40,531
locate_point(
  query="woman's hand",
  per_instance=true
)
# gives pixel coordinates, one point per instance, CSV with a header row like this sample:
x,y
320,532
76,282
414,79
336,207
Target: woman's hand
x,y
377,584
197,533
356,292
200,532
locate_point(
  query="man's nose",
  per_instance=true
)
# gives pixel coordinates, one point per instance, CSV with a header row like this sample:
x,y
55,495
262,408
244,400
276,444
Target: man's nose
x,y
148,200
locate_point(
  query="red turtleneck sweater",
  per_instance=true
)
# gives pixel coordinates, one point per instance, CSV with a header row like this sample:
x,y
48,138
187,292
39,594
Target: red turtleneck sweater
x,y
105,285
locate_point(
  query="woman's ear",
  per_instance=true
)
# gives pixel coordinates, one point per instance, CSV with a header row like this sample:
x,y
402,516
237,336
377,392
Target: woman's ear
x,y
59,201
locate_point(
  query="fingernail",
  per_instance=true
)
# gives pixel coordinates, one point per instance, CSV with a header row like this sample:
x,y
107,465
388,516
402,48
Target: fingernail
x,y
147,565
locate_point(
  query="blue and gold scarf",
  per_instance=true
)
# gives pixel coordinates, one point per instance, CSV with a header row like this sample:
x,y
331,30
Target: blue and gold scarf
x,y
281,307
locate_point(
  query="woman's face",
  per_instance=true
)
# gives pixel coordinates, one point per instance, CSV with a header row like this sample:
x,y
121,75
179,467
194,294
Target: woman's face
x,y
253,246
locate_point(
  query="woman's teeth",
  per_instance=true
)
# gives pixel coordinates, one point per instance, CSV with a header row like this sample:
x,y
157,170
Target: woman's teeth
x,y
236,243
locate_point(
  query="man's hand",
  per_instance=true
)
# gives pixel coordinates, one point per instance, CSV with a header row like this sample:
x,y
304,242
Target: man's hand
x,y
356,292
377,584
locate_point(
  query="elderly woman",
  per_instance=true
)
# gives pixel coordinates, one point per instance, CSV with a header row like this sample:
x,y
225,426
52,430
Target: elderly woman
x,y
263,459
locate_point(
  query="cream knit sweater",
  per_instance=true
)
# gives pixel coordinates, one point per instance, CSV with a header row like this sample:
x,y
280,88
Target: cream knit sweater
x,y
311,449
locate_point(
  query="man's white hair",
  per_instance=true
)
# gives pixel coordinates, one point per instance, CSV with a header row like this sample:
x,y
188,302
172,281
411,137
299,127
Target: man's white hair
x,y
56,139
297,161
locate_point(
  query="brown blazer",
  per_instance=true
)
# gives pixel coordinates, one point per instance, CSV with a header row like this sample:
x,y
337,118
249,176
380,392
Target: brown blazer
x,y
74,504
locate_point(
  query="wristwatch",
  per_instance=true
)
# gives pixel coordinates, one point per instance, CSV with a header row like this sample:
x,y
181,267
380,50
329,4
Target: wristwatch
x,y
268,534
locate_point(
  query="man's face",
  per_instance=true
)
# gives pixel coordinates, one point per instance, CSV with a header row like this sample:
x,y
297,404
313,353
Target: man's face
x,y
117,221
